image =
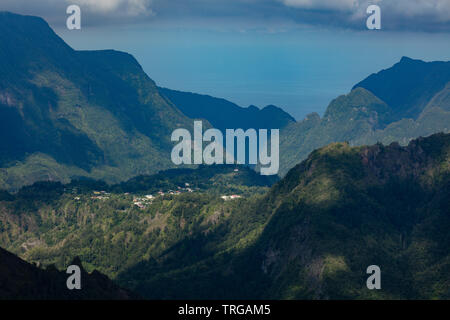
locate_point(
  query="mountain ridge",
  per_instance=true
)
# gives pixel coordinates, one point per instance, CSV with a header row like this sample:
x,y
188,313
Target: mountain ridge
x,y
333,215
23,281
408,85
223,114
67,113
362,117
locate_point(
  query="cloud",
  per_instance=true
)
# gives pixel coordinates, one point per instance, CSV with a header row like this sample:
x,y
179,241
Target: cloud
x,y
409,15
439,9
417,14
338,5
130,7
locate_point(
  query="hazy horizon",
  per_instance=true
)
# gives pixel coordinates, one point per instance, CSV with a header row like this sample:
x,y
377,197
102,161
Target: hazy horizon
x,y
295,54
298,70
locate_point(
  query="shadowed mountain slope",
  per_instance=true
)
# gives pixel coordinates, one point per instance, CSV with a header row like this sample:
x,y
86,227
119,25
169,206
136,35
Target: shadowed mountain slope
x,y
20,280
223,114
67,113
406,101
318,229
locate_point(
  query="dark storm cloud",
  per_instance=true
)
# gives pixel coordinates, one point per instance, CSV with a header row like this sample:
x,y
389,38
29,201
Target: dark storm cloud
x,y
413,15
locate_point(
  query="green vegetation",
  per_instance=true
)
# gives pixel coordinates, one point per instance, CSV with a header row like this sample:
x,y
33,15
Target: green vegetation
x,y
23,281
214,179
85,121
66,114
114,227
409,100
311,236
315,233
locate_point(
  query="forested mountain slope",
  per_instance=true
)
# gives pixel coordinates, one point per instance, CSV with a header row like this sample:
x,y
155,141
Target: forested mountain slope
x,y
67,113
318,229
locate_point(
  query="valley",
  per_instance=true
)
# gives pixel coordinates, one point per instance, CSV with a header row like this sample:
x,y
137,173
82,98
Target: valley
x,y
87,177
310,236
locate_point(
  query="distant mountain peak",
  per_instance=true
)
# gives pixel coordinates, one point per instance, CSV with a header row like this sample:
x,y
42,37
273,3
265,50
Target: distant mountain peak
x,y
408,59
314,116
408,85
223,114
272,107
253,107
74,110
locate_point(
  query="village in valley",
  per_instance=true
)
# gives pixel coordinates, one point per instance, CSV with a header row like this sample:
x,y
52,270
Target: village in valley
x,y
143,191
143,201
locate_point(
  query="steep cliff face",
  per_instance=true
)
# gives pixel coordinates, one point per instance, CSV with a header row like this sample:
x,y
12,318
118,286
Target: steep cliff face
x,y
66,113
401,103
344,209
408,86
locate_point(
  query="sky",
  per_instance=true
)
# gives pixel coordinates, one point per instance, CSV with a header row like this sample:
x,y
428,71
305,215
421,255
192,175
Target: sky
x,y
296,54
